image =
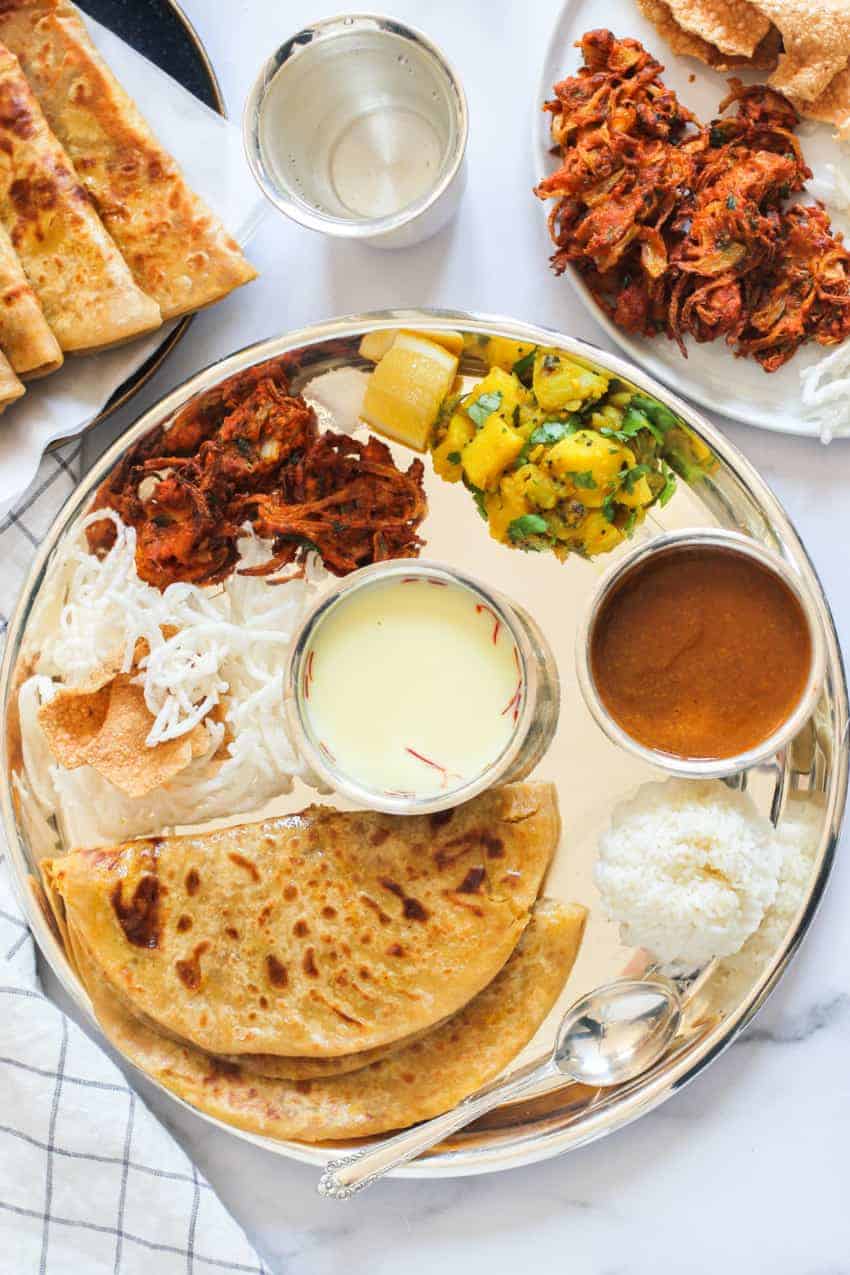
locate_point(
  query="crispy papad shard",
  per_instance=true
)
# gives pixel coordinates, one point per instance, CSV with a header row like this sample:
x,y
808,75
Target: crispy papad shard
x,y
415,1083
82,283
10,387
178,250
686,44
104,723
25,335
833,105
317,934
816,44
733,26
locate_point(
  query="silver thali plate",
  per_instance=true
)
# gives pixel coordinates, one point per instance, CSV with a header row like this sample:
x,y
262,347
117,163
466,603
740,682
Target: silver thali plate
x,y
804,787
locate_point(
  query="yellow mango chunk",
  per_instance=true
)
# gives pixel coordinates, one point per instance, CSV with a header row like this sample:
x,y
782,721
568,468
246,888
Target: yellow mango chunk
x,y
374,345
562,384
447,453
494,447
406,389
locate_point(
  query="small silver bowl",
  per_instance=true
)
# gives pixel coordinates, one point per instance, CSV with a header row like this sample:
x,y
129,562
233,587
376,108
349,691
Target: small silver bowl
x,y
699,767
536,721
357,127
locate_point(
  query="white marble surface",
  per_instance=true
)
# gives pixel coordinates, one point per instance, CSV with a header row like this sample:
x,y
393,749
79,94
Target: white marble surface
x,y
745,1171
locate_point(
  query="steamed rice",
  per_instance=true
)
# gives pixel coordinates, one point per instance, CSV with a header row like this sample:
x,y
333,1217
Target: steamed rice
x,y
228,654
688,870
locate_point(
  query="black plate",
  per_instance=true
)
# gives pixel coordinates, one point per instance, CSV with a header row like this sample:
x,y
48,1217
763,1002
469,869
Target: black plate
x,y
161,31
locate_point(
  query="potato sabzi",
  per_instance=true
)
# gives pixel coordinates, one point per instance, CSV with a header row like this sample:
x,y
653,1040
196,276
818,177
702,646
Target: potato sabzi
x,y
558,455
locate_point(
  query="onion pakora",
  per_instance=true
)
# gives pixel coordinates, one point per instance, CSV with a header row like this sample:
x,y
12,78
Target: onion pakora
x,y
251,453
684,228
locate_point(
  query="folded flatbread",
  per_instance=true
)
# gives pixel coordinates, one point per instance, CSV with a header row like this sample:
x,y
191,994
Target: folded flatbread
x,y
82,282
318,934
417,1082
25,335
10,386
177,249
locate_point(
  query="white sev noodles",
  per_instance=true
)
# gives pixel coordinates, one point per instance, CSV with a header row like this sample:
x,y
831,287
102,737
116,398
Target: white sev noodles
x,y
825,386
230,649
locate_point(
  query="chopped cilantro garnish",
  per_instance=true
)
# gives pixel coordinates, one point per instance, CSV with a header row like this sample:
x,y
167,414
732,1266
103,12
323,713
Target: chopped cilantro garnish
x,y
630,524
657,413
527,525
552,431
453,458
731,202
609,509
525,365
584,479
484,407
630,477
669,487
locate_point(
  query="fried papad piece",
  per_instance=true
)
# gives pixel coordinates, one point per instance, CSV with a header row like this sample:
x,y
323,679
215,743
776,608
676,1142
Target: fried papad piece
x,y
687,44
816,44
83,284
416,1082
104,722
25,335
318,934
734,27
833,105
177,249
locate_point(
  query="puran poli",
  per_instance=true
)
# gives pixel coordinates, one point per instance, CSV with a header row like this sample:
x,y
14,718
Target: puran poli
x,y
318,934
10,387
413,1084
25,335
179,252
82,283
733,27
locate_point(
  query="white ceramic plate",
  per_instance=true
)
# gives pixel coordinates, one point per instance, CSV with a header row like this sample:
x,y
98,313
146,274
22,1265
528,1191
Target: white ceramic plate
x,y
711,375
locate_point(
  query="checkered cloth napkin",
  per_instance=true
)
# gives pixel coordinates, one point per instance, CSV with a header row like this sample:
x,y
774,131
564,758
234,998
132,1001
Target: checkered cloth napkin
x,y
90,1181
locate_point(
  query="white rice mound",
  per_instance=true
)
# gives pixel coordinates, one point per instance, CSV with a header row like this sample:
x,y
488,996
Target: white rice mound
x,y
688,869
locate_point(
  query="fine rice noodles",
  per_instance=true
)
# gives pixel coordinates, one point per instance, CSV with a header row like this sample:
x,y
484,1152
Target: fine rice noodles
x,y
216,657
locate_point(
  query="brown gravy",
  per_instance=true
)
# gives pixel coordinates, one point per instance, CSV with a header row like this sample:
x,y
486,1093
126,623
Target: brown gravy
x,y
700,653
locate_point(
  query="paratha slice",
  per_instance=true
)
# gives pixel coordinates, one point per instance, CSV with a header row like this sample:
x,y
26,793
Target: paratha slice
x,y
25,335
10,387
413,1084
82,283
178,250
318,934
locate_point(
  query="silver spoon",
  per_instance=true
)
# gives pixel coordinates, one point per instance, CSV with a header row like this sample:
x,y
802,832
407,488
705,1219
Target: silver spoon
x,y
606,1038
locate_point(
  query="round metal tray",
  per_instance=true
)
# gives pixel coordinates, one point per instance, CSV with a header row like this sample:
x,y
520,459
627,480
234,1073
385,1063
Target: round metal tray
x,y
805,785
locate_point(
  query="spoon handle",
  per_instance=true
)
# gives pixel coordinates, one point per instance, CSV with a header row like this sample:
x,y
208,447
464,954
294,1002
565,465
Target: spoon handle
x,y
345,1177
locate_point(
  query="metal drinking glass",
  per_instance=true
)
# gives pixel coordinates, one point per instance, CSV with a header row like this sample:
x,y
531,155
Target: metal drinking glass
x,y
357,127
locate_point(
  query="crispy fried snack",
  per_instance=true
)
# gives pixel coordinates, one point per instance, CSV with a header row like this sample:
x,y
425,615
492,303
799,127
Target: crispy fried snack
x,y
251,453
682,228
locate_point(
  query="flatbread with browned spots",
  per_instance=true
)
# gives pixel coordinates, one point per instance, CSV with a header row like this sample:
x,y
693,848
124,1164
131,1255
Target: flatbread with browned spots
x,y
414,1083
320,934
